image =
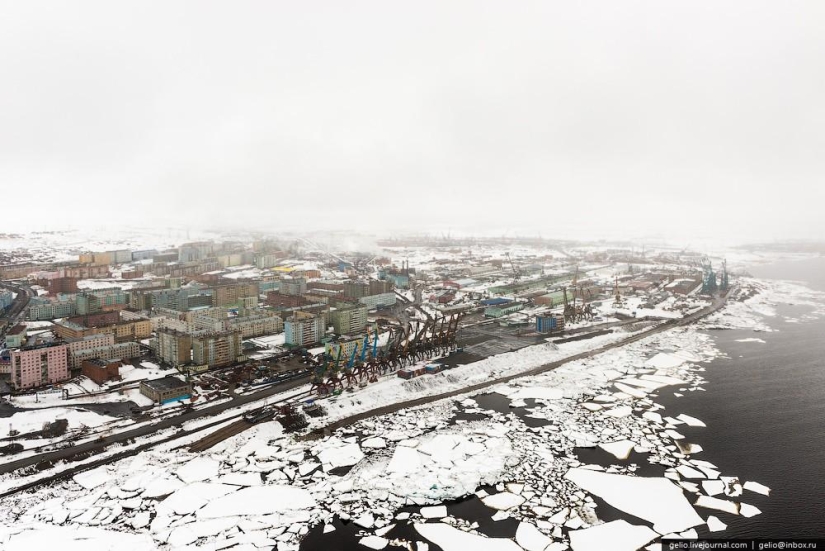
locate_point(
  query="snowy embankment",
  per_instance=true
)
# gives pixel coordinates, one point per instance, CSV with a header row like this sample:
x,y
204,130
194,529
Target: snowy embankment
x,y
263,488
392,390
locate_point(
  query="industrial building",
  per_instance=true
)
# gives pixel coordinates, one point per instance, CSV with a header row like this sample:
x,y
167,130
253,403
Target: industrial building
x,y
460,283
101,371
556,298
683,286
549,323
165,390
503,310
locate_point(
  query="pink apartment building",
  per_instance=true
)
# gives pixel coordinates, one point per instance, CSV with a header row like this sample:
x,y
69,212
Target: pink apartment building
x,y
41,365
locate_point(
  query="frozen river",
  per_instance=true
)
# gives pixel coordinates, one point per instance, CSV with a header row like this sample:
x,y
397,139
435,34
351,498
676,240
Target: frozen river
x,y
765,410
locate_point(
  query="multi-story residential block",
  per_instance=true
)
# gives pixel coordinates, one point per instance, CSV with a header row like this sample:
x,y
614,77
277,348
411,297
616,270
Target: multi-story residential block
x,y
228,295
104,299
58,285
44,309
99,346
174,347
295,286
122,331
119,351
16,336
326,286
39,365
345,346
378,287
264,261
96,320
349,320
89,342
6,298
356,289
374,301
303,329
256,326
84,272
146,254
217,349
189,252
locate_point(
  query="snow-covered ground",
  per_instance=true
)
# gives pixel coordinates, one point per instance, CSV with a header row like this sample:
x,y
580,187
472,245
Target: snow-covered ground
x,y
263,488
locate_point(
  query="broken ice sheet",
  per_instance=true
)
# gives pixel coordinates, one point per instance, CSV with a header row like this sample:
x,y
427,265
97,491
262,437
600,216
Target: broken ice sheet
x,y
503,501
453,539
620,449
690,421
718,504
656,500
618,535
757,487
716,525
530,539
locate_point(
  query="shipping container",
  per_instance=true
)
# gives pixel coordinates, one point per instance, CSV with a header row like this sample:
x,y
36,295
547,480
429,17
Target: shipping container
x,y
432,368
406,373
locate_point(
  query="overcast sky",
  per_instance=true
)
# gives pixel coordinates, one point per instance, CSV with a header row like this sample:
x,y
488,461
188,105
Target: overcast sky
x,y
604,118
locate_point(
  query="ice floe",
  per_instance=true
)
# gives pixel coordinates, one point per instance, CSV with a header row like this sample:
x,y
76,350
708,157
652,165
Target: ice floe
x,y
618,535
453,539
656,500
718,504
258,500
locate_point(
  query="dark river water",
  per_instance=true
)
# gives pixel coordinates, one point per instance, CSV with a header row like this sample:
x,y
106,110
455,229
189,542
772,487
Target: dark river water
x,y
764,407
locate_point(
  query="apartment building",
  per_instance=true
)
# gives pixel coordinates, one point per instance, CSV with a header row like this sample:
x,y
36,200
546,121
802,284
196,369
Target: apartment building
x,y
217,349
38,366
228,295
174,347
349,320
118,351
303,329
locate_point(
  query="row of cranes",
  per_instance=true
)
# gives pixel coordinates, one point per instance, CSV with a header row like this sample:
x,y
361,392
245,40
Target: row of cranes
x,y
367,360
709,282
576,312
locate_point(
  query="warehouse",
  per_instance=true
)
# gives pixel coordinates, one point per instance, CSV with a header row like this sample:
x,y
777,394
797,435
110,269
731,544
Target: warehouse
x,y
503,310
165,390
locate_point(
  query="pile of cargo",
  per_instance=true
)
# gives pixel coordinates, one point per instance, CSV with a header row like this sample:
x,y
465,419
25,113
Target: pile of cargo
x,y
417,370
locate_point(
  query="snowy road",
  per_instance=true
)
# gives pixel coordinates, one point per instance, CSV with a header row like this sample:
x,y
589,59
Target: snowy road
x,y
152,428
